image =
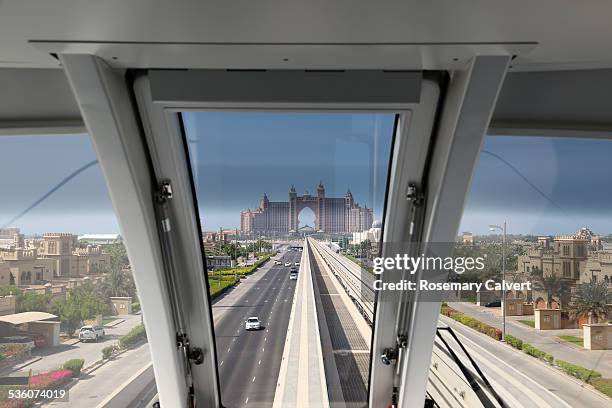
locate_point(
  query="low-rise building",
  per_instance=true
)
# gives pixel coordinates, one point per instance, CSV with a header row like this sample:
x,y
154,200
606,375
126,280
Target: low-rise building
x,y
467,238
577,258
373,234
100,239
218,262
26,267
597,267
36,262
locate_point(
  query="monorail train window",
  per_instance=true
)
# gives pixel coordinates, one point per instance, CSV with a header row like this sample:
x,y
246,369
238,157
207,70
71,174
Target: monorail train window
x,y
69,305
290,203
539,212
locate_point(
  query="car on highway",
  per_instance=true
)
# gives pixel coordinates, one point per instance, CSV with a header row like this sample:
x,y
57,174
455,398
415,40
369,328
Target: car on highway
x,y
495,303
293,273
91,333
297,264
252,323
287,263
277,262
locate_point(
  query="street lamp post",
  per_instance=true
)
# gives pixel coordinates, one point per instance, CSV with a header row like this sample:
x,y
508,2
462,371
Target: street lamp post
x,y
236,255
503,302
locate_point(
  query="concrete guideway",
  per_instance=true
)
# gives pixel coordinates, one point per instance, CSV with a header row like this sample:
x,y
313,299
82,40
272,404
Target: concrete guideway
x,y
345,335
301,380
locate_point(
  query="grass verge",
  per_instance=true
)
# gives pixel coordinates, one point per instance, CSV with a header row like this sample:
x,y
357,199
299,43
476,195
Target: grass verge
x,y
579,341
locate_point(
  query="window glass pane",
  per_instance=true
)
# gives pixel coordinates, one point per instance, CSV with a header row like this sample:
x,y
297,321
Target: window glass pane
x,y
264,183
61,254
539,211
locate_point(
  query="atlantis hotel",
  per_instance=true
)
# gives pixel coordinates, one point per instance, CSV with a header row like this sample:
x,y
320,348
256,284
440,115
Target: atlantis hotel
x,y
332,215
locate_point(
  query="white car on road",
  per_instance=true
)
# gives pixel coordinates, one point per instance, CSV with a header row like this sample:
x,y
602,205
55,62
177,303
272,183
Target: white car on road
x,y
91,333
287,263
252,323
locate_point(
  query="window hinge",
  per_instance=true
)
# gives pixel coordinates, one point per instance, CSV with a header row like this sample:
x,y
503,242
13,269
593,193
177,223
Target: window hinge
x,y
415,195
392,355
193,355
164,192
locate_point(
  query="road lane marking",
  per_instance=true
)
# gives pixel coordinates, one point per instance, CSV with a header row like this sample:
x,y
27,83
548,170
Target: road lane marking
x,y
259,363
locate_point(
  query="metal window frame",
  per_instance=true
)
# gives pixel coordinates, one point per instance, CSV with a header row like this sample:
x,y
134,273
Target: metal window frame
x,y
163,94
466,113
107,108
133,167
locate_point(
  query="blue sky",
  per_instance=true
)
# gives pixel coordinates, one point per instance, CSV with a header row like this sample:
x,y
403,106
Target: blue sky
x,y
31,165
237,157
572,178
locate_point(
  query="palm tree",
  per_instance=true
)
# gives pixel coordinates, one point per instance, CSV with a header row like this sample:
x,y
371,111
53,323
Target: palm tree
x,y
591,300
552,285
118,283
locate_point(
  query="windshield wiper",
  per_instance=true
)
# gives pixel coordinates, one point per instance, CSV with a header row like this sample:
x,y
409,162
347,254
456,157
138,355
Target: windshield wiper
x,y
482,396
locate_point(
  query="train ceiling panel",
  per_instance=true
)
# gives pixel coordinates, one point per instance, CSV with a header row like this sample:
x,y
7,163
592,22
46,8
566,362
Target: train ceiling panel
x,y
569,34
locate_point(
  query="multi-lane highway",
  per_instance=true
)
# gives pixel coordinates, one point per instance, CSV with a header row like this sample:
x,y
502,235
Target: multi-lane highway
x,y
249,362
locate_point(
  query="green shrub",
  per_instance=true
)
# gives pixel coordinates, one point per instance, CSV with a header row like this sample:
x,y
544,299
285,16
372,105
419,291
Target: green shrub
x,y
549,358
514,342
135,307
603,385
75,365
533,351
134,336
476,325
108,351
579,372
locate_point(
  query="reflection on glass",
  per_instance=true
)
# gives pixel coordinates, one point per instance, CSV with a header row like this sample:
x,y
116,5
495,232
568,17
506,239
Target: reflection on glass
x,y
61,255
264,183
539,212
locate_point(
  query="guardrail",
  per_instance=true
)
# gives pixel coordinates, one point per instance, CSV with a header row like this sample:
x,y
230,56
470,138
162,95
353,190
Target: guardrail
x,y
357,282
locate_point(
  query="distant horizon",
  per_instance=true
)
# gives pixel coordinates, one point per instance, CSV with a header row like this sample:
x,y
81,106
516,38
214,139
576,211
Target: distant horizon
x,y
539,185
459,234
